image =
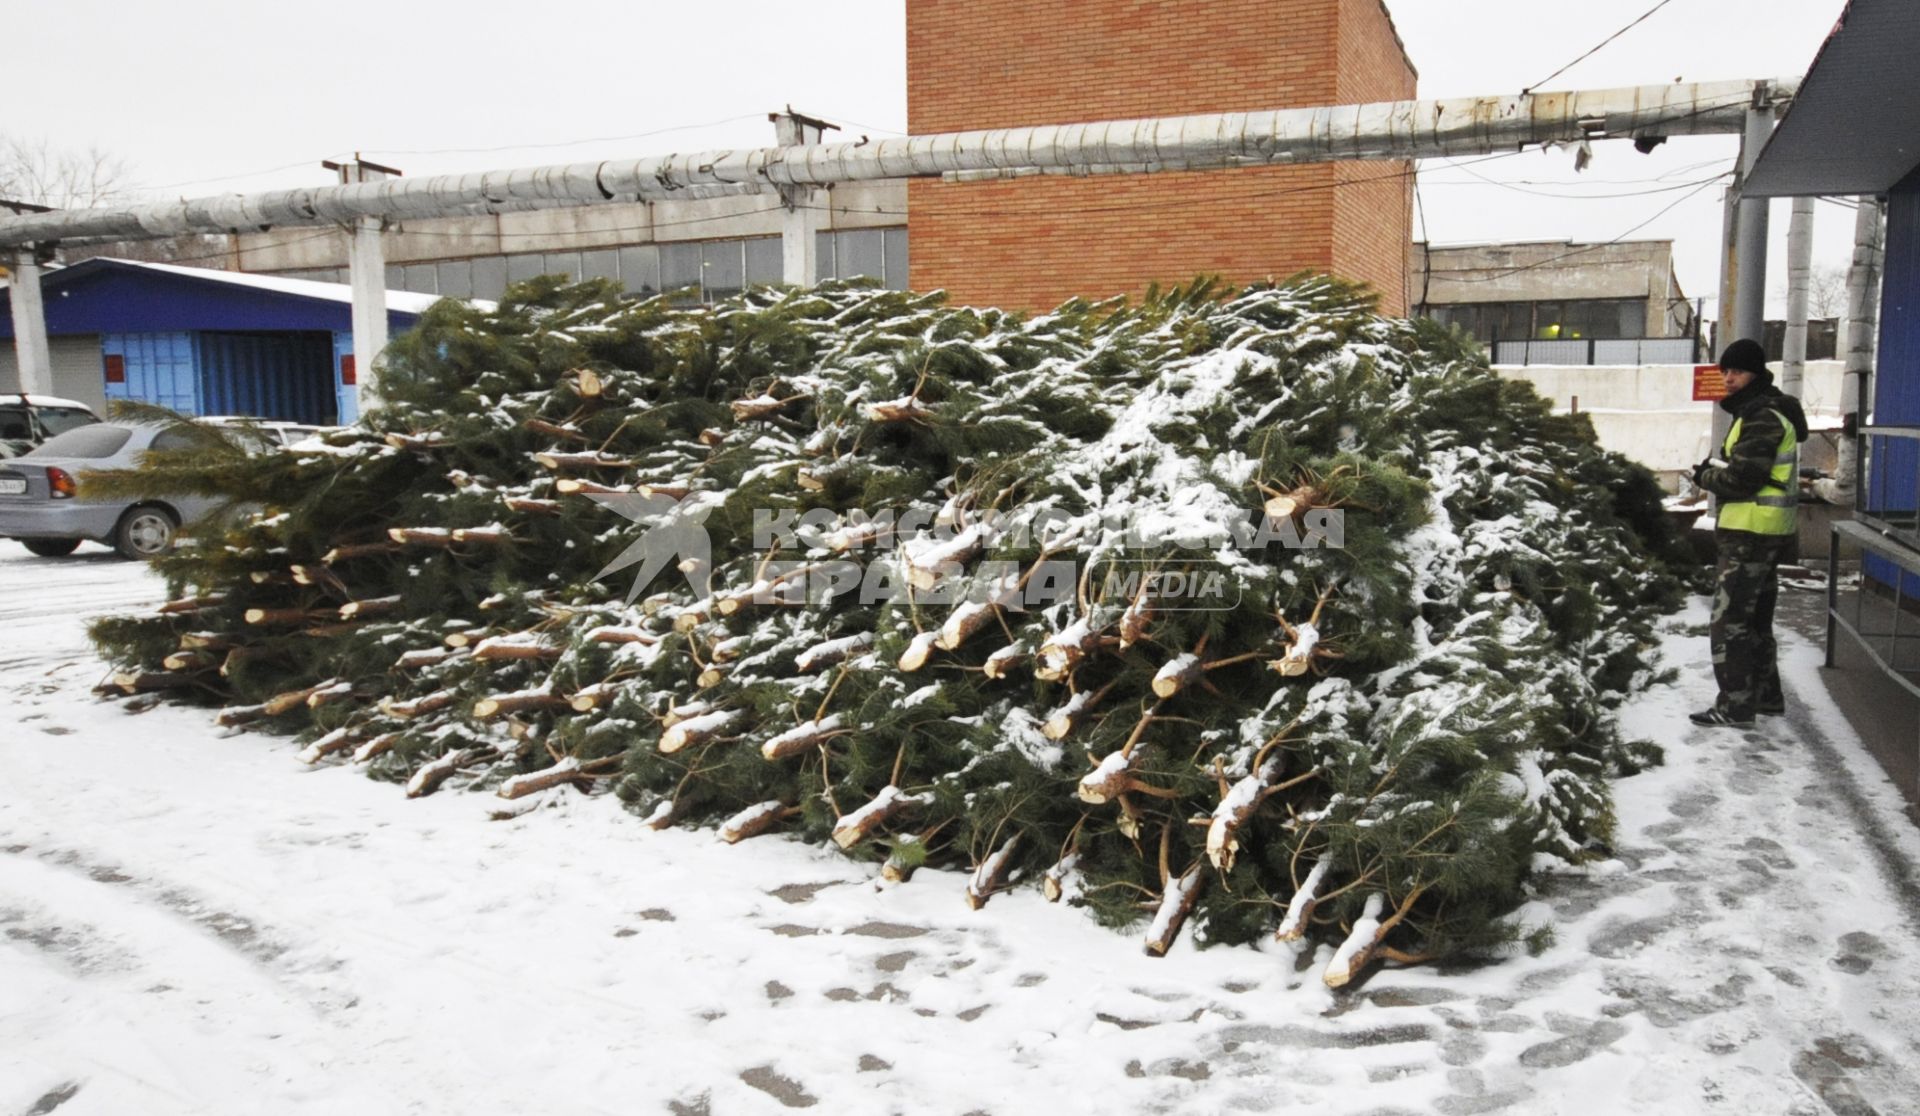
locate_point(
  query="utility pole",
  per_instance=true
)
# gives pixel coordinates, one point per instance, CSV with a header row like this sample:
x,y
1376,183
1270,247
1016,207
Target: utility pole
x,y
1793,356
800,224
367,273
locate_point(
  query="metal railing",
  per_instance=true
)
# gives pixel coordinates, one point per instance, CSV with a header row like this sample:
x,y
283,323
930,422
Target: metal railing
x,y
1880,613
1888,481
1604,351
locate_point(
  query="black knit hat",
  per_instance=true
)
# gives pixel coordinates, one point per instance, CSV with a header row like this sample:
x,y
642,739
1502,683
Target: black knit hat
x,y
1745,356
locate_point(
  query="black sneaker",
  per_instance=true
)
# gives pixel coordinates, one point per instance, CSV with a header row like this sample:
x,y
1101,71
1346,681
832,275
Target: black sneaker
x,y
1771,708
1713,718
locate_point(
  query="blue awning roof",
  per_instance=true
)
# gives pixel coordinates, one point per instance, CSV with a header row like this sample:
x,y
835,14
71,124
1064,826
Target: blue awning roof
x,y
1854,127
126,296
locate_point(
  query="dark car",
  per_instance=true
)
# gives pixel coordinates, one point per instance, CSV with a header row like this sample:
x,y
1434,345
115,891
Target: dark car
x,y
28,420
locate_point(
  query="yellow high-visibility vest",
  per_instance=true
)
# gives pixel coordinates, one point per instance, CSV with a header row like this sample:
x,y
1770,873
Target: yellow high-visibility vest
x,y
1771,510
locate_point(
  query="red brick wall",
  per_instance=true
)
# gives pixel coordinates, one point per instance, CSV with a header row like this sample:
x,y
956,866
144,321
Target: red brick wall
x,y
1033,242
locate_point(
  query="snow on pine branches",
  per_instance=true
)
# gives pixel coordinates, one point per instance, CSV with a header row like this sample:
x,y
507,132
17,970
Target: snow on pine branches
x,y
1216,608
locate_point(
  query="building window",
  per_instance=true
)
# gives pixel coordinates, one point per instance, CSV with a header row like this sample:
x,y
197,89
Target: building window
x,y
707,270
640,269
1568,320
723,269
456,278
766,262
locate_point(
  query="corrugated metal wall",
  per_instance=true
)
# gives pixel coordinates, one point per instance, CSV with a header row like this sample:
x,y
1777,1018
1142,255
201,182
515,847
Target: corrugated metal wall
x,y
1895,462
160,368
287,376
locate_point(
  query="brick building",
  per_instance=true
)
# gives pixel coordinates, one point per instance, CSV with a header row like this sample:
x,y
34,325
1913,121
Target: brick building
x,y
1032,242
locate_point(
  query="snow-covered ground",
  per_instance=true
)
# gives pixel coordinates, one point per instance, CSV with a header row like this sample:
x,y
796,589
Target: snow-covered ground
x,y
194,922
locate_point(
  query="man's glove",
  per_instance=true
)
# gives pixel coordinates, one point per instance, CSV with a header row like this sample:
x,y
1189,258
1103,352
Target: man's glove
x,y
1700,473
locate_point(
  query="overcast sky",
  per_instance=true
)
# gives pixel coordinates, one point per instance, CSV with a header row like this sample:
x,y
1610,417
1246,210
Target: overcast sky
x,y
211,96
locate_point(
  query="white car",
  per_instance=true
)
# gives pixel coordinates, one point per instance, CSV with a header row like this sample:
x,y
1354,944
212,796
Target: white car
x,y
286,433
28,420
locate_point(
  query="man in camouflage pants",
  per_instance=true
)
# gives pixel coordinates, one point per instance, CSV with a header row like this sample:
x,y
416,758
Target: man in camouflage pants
x,y
1758,486
1746,589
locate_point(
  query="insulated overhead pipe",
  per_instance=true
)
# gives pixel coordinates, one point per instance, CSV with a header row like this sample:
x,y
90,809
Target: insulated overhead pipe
x,y
1395,130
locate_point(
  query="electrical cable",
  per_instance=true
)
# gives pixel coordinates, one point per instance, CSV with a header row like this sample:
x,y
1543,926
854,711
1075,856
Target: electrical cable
x,y
389,152
1596,49
563,143
1584,249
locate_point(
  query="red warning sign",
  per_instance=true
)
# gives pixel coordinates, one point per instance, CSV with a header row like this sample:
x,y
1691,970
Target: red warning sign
x,y
1709,383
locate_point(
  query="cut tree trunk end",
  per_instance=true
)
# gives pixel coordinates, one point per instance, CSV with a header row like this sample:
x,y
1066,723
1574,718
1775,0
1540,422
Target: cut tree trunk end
x,y
504,705
339,740
831,652
428,779
855,827
191,661
1064,650
414,707
292,700
1176,903
567,771
801,738
991,875
1293,925
191,604
754,820
695,730
147,681
520,645
1054,883
918,652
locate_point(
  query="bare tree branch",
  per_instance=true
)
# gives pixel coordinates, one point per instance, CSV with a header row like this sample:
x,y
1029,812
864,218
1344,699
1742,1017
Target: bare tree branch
x,y
33,170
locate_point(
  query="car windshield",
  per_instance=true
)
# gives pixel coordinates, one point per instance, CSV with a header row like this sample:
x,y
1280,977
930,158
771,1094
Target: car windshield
x,y
59,420
94,440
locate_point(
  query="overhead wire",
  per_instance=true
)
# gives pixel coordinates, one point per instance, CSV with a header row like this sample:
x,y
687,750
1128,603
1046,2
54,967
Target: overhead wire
x,y
1597,48
1586,248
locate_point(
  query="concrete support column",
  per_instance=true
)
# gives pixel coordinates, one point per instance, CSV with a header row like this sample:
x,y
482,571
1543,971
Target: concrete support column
x,y
367,275
800,239
1863,305
30,324
800,225
1793,356
1743,266
1749,316
367,272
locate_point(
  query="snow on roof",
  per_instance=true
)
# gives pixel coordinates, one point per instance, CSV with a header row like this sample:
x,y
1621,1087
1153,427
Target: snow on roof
x,y
35,399
405,301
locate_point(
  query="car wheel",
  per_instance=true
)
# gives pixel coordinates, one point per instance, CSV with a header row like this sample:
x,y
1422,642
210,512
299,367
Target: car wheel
x,y
51,548
144,533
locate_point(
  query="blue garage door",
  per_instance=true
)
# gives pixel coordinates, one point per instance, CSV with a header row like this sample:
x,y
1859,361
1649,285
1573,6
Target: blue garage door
x,y
154,368
285,376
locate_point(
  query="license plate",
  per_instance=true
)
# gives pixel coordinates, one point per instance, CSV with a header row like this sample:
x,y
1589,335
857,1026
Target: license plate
x,y
13,486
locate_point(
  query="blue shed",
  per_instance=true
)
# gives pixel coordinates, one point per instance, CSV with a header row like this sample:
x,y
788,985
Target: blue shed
x,y
201,341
